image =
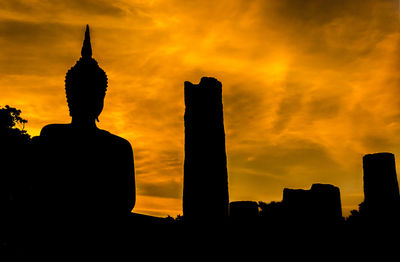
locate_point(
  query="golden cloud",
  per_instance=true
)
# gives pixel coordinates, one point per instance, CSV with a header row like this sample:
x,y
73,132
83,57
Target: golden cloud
x,y
309,86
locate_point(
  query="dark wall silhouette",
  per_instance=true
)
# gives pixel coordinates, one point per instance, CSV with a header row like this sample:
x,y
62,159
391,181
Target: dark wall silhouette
x,y
272,214
319,205
243,212
381,206
381,189
205,190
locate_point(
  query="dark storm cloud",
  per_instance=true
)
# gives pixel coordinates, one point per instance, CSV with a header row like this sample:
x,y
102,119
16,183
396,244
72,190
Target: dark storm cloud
x,y
163,189
281,158
290,105
17,5
377,142
315,27
242,107
98,7
31,47
324,106
27,34
320,12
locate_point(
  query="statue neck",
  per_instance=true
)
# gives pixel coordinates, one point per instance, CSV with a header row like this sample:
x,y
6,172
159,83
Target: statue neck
x,y
83,123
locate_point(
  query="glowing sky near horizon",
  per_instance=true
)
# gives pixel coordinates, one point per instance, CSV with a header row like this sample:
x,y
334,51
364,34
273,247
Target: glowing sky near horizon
x,y
309,86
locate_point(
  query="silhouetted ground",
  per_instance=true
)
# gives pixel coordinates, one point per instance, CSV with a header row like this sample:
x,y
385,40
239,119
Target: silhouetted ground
x,y
253,230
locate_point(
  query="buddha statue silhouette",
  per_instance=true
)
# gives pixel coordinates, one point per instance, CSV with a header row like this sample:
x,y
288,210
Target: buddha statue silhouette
x,y
87,173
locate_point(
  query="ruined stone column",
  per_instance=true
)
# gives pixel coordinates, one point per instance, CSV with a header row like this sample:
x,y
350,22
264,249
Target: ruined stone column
x,y
381,189
321,205
205,186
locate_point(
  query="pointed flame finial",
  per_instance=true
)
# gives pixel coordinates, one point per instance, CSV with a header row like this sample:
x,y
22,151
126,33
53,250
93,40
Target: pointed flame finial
x,y
87,47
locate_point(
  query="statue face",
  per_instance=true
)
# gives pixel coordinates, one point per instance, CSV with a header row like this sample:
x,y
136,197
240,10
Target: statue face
x,y
85,106
86,86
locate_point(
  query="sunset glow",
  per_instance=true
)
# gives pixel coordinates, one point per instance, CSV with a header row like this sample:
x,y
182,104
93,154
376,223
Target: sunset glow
x,y
309,86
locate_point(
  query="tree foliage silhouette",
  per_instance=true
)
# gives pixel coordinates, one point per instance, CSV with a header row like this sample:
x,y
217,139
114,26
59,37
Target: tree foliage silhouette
x,y
9,119
14,183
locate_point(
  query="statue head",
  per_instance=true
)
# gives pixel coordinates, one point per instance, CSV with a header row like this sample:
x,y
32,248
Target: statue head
x,y
86,85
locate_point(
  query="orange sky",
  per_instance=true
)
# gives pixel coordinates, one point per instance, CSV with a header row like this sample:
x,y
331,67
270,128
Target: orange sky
x,y
309,86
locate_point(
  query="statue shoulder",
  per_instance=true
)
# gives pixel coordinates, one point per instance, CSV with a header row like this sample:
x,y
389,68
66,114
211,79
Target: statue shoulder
x,y
117,140
54,129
